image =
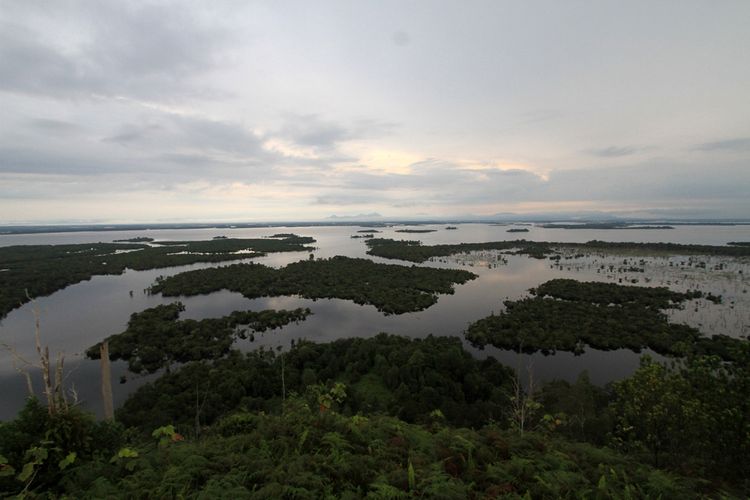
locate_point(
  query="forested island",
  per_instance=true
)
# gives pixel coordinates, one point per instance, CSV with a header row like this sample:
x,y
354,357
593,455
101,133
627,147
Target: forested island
x,y
605,225
391,288
518,230
415,251
137,239
156,339
416,230
36,270
568,315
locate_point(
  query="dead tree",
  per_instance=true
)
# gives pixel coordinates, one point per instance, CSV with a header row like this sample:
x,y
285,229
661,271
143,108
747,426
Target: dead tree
x,y
54,391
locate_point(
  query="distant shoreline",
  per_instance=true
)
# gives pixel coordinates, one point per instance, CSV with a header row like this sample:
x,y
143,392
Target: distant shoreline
x,y
80,228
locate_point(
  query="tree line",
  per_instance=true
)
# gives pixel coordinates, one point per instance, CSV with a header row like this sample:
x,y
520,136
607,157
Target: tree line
x,y
30,271
391,288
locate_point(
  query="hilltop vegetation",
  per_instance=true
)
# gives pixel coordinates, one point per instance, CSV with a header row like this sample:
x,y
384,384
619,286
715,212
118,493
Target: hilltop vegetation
x,y
37,270
155,338
391,288
390,417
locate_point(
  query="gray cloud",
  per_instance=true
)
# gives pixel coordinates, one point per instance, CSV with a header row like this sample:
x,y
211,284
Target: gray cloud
x,y
131,134
316,132
736,144
401,38
111,49
614,151
271,103
54,126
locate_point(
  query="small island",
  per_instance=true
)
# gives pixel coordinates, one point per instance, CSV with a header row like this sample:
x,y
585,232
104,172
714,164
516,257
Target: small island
x,y
605,225
517,230
416,230
156,338
137,239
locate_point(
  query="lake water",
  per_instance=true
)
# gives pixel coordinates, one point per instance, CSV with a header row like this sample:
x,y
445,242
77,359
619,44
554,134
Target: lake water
x,y
83,314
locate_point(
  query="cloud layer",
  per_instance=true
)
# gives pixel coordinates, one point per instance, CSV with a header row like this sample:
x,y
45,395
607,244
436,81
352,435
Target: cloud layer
x,y
142,111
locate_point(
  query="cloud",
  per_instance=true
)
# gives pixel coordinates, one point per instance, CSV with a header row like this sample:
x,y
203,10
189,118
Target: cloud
x,y
614,151
60,127
320,134
106,49
131,134
736,144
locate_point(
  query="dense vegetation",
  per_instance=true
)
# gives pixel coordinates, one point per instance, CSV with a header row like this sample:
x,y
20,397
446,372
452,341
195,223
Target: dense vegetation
x,y
36,270
137,239
414,251
518,230
567,315
155,338
605,225
385,374
416,230
390,417
610,293
391,288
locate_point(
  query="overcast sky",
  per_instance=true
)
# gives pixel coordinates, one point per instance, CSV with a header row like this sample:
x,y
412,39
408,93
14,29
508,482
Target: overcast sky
x,y
281,110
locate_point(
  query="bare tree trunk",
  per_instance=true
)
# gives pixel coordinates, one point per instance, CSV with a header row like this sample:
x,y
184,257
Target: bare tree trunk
x,y
109,413
29,385
59,391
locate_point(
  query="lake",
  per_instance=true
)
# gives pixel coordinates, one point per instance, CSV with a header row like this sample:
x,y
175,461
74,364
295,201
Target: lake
x,y
81,315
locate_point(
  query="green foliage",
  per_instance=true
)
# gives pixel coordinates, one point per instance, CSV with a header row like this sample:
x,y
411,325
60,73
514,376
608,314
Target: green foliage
x,y
38,448
44,269
391,288
155,338
389,374
610,293
692,416
304,453
414,251
567,315
577,410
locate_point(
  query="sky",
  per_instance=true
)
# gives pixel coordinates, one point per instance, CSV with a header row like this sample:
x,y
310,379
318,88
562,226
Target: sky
x,y
115,111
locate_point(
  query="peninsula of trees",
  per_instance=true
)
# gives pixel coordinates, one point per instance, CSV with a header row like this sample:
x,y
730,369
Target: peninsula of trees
x,y
31,271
